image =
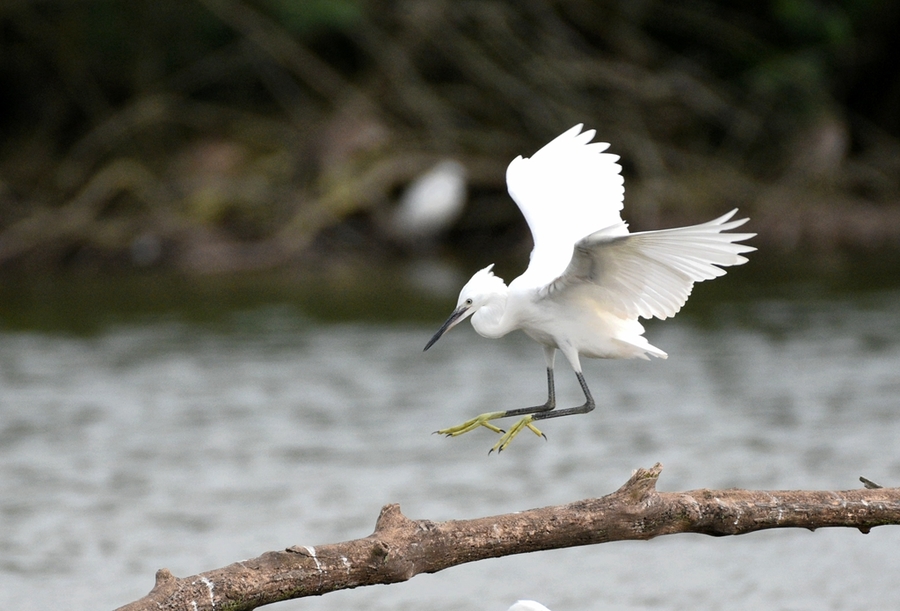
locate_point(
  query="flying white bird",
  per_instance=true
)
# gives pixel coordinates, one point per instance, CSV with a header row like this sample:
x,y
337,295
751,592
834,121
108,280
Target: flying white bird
x,y
589,279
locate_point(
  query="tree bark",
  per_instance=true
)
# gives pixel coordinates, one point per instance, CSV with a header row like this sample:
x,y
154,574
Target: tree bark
x,y
401,548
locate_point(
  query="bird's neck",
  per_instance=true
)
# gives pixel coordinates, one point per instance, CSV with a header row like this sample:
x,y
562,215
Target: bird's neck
x,y
489,321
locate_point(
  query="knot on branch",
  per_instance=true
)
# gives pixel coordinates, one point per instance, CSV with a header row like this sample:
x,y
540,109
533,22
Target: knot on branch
x,y
641,484
394,531
164,576
391,518
166,583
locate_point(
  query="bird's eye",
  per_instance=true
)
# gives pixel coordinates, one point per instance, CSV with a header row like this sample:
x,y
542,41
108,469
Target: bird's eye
x,y
468,302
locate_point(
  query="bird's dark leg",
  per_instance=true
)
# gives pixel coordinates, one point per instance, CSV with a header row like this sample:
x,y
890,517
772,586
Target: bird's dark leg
x,y
546,407
530,417
485,419
550,358
529,414
581,409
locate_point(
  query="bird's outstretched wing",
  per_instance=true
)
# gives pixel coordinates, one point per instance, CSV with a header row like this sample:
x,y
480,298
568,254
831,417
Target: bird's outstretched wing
x,y
567,190
650,273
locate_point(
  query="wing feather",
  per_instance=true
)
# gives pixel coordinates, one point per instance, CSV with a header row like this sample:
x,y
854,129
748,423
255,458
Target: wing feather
x,y
568,189
651,273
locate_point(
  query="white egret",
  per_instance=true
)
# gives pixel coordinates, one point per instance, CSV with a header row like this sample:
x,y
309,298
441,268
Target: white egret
x,y
527,605
589,279
431,203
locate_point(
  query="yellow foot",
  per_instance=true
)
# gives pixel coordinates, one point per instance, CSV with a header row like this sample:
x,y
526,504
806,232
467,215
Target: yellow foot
x,y
516,428
474,423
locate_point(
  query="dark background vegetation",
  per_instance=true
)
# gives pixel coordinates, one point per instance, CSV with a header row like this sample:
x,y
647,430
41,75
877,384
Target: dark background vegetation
x,y
222,135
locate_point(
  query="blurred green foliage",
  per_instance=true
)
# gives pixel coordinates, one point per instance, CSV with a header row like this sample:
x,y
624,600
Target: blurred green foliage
x,y
309,16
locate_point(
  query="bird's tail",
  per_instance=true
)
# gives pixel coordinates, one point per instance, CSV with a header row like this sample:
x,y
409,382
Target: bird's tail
x,y
630,338
638,347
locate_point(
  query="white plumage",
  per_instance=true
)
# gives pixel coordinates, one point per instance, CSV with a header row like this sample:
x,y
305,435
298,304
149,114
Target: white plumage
x,y
431,203
528,605
567,190
589,279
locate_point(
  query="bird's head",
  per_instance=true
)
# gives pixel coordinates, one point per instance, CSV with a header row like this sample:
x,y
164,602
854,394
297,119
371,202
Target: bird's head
x,y
477,292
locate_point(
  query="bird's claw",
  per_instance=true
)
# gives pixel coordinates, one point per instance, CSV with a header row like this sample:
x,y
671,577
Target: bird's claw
x,y
484,420
525,422
474,423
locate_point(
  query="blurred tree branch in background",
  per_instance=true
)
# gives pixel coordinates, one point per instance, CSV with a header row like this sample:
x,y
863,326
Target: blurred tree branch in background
x,y
241,134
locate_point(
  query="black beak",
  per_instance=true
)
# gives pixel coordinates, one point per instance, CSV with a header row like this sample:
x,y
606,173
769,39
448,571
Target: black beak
x,y
458,313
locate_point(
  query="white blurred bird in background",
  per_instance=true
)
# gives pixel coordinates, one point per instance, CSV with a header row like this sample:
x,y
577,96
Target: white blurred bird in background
x,y
431,203
589,279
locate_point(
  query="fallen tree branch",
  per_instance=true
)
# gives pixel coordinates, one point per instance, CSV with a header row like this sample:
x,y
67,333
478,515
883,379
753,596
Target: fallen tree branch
x,y
401,548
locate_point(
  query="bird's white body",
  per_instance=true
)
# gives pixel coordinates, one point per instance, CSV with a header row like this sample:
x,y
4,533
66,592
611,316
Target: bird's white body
x,y
572,322
589,280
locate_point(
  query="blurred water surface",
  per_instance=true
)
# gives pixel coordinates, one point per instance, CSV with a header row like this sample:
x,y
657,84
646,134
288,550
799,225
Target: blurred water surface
x,y
167,441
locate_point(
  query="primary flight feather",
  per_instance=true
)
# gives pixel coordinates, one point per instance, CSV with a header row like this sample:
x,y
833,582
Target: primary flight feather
x,y
589,279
